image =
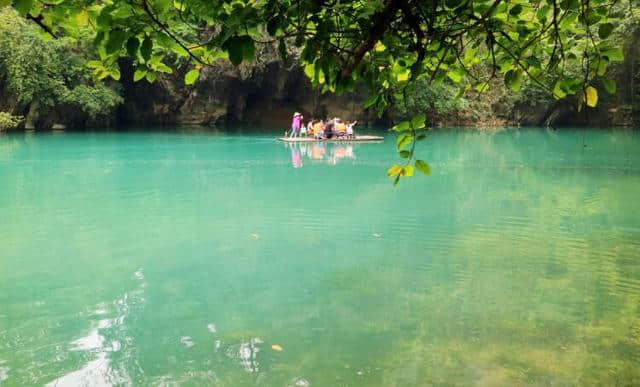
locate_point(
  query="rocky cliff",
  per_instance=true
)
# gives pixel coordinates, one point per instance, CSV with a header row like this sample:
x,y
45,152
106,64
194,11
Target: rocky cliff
x,y
265,94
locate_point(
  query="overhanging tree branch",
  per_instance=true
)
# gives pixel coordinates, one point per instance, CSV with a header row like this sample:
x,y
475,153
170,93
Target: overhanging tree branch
x,y
381,23
39,21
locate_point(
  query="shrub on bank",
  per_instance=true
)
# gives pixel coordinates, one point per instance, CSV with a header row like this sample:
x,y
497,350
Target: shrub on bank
x,y
8,121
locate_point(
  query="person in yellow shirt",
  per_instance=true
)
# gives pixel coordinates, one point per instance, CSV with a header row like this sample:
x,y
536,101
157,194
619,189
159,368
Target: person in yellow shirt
x,y
341,128
318,130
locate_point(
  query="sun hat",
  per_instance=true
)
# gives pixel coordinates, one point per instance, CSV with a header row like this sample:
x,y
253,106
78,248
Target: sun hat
x,y
296,114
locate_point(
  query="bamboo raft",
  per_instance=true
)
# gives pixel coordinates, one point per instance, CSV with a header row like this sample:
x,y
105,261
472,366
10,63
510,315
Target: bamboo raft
x,y
344,139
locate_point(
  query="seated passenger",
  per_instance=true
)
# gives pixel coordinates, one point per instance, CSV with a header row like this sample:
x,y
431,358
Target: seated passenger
x,y
310,128
318,130
328,130
341,129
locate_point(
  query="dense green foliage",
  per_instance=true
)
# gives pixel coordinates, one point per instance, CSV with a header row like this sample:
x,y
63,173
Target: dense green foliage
x,y
561,46
52,73
438,100
8,121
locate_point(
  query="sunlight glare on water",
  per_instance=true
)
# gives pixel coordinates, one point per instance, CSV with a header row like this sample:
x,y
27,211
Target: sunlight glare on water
x,y
206,258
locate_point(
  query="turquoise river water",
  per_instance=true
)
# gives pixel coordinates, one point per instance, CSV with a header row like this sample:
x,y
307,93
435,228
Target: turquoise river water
x,y
194,257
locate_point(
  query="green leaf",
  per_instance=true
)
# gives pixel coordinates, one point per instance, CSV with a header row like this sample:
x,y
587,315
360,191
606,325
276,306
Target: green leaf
x,y
403,76
96,64
132,46
516,10
456,75
115,73
592,17
146,48
104,18
234,48
163,68
162,6
609,85
370,101
404,154
407,171
101,74
310,70
163,40
602,65
178,50
482,87
4,3
513,79
239,48
115,41
403,140
23,6
543,12
557,90
248,48
191,77
605,30
97,41
614,54
151,77
139,74
569,5
423,167
418,122
470,55
404,125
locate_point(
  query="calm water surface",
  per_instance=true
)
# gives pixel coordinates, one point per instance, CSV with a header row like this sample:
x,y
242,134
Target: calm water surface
x,y
200,258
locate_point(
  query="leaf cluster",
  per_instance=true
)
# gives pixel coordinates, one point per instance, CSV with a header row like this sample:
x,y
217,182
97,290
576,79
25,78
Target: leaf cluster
x,y
8,121
51,73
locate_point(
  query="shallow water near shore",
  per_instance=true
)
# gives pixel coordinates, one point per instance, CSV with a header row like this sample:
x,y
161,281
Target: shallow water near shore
x,y
206,258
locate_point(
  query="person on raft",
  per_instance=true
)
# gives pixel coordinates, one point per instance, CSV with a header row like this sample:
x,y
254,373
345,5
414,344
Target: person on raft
x,y
350,126
319,130
340,128
328,129
295,125
310,127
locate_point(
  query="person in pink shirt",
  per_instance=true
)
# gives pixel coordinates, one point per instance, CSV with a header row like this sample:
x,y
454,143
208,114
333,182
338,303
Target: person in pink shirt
x,y
295,125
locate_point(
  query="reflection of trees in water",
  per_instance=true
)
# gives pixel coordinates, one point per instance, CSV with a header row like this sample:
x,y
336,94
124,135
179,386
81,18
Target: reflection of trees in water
x,y
9,144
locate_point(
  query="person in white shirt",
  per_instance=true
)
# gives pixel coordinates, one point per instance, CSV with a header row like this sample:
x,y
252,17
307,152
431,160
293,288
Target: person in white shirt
x,y
350,129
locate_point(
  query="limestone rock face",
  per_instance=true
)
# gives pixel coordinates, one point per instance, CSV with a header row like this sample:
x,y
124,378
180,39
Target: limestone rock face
x,y
266,94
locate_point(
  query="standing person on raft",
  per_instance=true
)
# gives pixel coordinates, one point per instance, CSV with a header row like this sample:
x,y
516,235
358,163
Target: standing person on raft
x,y
295,124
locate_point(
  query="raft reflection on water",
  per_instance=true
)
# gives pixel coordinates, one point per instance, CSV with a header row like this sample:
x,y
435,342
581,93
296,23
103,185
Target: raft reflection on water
x,y
329,153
